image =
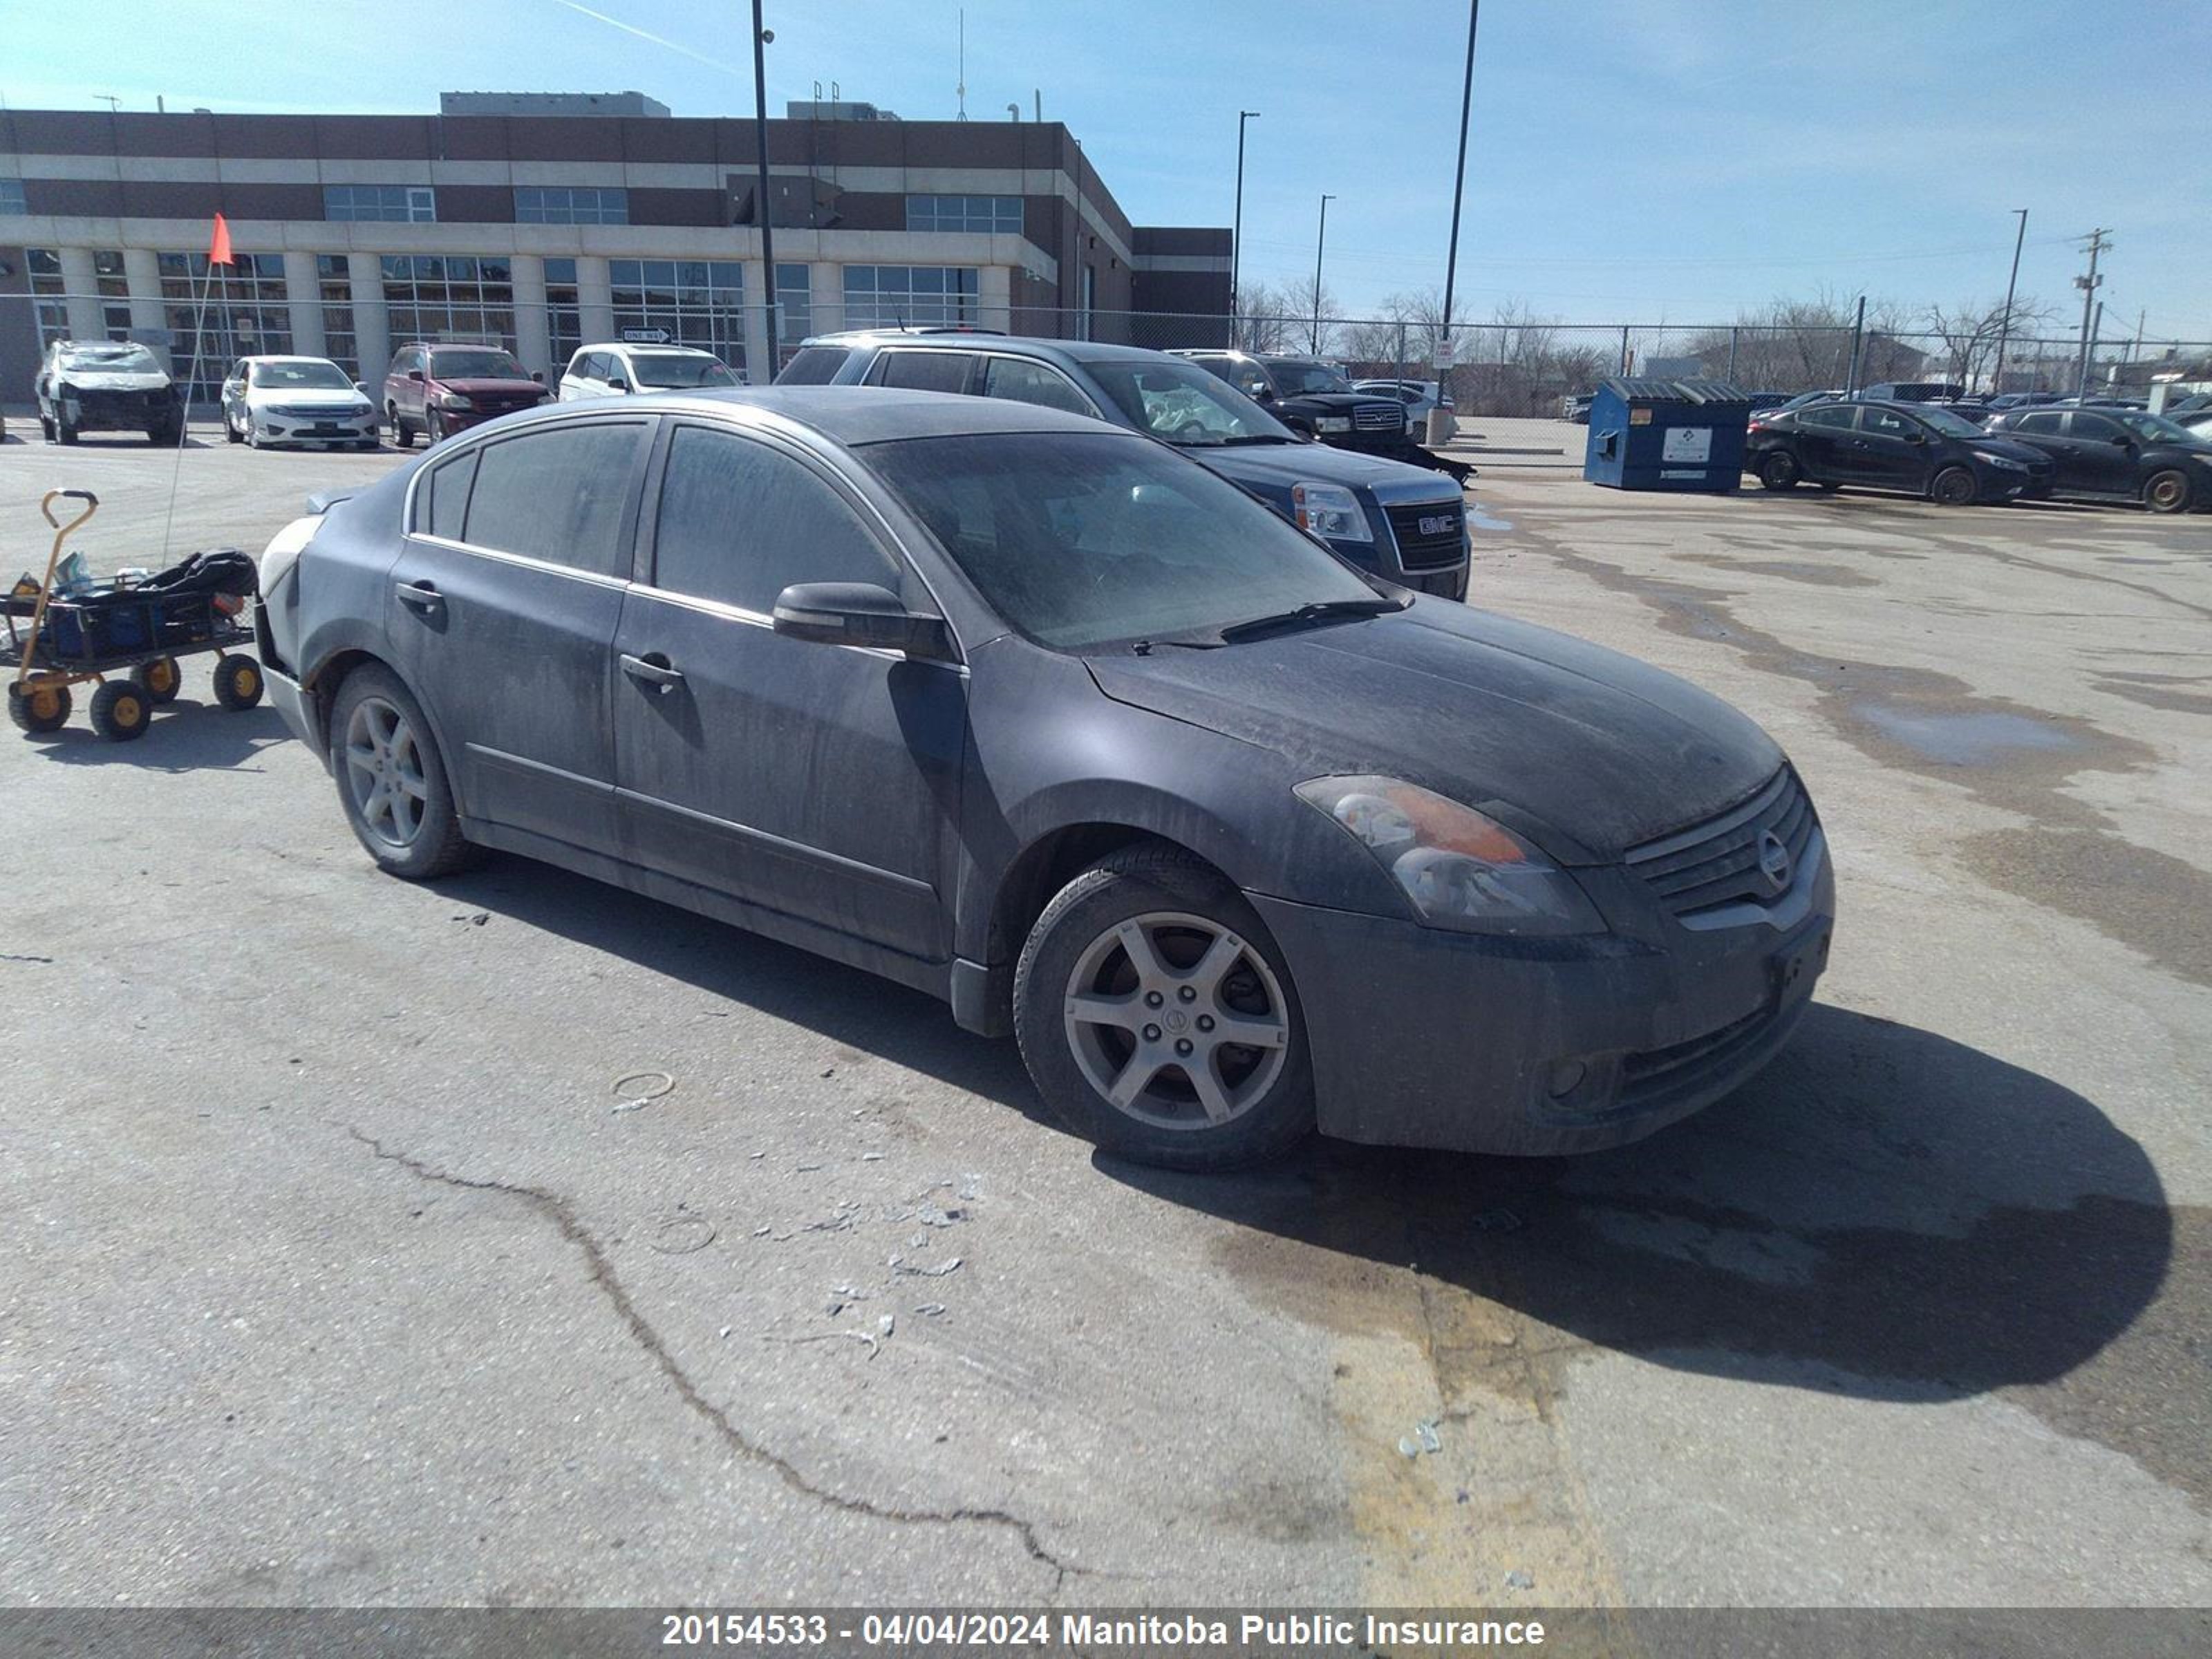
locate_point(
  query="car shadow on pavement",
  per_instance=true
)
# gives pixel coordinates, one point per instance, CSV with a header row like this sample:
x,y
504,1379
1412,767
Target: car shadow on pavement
x,y
848,1005
185,737
1884,1213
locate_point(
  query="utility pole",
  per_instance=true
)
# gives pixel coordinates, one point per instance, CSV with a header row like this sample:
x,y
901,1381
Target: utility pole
x,y
1858,339
1237,237
1459,188
1321,240
761,38
2004,327
2088,286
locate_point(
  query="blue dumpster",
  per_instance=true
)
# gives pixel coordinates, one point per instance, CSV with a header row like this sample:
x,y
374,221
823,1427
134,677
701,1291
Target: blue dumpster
x,y
1651,433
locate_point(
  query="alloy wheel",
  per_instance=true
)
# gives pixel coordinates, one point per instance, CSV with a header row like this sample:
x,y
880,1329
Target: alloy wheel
x,y
1177,1021
384,773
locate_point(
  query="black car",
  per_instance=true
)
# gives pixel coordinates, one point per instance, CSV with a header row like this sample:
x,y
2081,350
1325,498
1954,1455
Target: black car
x,y
1403,522
2116,455
1915,448
1309,396
1045,719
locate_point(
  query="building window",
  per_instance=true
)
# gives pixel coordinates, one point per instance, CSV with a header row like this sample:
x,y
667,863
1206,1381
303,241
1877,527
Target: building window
x,y
794,309
991,215
238,310
49,299
893,296
454,297
114,289
11,197
570,204
334,285
695,302
564,314
403,203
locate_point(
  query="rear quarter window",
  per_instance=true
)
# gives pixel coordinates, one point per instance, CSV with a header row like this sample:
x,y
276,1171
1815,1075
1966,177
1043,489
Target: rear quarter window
x,y
813,365
924,371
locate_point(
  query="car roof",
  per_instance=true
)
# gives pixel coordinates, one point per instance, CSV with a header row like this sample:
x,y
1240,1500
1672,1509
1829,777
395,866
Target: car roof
x,y
852,415
1074,351
642,345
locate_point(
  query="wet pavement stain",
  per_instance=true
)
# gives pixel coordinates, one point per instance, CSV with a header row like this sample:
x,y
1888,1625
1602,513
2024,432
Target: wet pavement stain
x,y
1823,575
1972,738
2146,900
2161,691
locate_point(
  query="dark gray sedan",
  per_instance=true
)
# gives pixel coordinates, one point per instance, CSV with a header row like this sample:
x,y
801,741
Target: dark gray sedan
x,y
1041,717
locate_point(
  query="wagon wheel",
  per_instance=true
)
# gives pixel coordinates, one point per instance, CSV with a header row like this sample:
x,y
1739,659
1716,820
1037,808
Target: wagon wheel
x,y
238,682
38,707
160,679
120,711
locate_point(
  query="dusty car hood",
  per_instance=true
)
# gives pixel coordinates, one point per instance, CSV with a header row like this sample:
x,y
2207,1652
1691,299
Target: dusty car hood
x,y
1341,403
111,379
310,398
1586,752
1284,464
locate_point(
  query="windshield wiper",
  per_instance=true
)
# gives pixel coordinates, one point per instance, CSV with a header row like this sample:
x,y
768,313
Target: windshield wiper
x,y
1319,611
1257,438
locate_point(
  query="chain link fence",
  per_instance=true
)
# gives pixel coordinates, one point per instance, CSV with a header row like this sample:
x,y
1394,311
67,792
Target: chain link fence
x,y
1499,368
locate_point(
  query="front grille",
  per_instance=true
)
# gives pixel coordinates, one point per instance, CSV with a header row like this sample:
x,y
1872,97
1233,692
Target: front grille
x,y
1379,417
1431,535
298,412
501,402
1716,863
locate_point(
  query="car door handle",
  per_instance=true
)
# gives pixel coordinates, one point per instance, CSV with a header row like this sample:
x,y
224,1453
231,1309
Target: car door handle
x,y
653,669
421,596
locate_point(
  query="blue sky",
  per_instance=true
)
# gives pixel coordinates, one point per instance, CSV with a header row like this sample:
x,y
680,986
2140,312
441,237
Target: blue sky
x,y
1652,162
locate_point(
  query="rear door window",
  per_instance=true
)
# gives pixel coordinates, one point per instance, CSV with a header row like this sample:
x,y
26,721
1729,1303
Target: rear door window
x,y
740,521
2044,421
924,371
1025,381
1835,419
560,494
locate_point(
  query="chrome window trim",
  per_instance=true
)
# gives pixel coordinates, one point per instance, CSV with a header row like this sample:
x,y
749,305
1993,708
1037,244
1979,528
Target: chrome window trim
x,y
524,560
738,613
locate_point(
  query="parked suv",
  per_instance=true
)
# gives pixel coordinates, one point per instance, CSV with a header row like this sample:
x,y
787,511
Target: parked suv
x,y
1909,447
105,386
1407,524
1309,396
438,389
2116,455
616,370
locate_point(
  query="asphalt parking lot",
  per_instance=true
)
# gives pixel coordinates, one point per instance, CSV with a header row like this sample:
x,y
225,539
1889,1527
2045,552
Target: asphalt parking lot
x,y
338,1273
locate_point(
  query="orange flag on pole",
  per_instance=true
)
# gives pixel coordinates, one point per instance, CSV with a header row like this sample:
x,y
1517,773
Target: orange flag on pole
x,y
219,244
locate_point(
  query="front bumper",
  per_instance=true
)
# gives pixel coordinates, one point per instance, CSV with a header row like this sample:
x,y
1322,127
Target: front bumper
x,y
94,410
275,427
1421,1038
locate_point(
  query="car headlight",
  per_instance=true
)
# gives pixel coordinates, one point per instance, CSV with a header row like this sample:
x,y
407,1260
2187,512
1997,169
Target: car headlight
x,y
454,400
2003,462
1329,511
1333,423
1460,869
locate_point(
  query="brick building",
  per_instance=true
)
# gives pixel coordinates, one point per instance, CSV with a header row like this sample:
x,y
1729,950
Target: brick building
x,y
572,221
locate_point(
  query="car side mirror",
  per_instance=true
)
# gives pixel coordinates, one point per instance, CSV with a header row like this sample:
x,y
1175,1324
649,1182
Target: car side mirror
x,y
361,386
862,614
538,375
1261,392
415,374
615,383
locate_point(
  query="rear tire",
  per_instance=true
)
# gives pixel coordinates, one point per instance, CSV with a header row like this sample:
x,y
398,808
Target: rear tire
x,y
121,712
63,431
238,682
1167,958
1778,469
392,780
403,435
2168,492
1954,486
160,679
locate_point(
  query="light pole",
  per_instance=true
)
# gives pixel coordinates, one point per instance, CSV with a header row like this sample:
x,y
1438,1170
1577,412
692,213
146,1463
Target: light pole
x,y
761,38
1237,235
2004,327
1321,240
1459,186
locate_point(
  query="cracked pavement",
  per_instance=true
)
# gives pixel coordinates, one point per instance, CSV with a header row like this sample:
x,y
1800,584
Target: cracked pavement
x,y
336,1276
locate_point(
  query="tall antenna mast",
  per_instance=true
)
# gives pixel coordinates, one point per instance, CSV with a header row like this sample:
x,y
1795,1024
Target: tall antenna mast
x,y
962,90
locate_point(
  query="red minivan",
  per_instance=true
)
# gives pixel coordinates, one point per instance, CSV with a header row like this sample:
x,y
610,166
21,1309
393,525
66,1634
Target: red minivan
x,y
440,389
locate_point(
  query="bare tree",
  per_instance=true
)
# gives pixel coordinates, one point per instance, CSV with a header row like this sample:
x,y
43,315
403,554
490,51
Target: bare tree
x,y
1969,333
1265,317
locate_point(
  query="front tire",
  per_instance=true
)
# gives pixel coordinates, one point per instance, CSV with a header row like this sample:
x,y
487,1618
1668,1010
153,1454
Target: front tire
x,y
1159,1020
2168,492
160,679
403,435
231,434
1778,469
39,708
392,780
1954,486
121,712
238,682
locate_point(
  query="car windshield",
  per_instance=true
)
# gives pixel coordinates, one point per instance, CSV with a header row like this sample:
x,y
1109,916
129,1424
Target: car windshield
x,y
1294,377
120,358
1081,541
291,377
480,364
2157,427
1186,405
1950,425
677,369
